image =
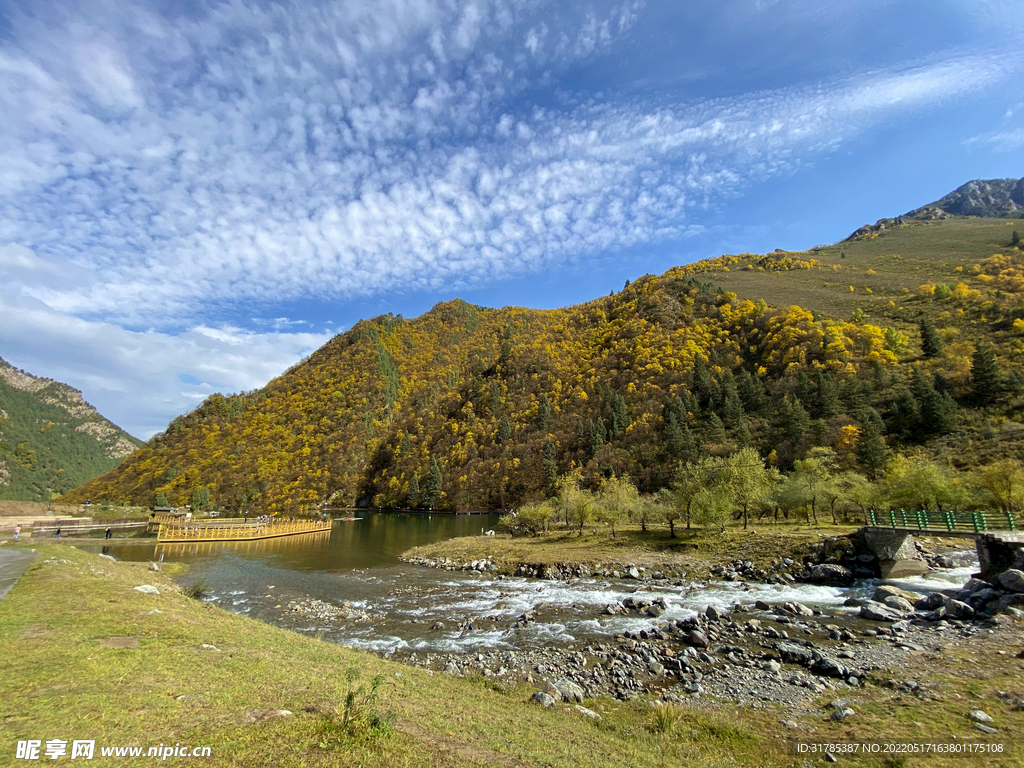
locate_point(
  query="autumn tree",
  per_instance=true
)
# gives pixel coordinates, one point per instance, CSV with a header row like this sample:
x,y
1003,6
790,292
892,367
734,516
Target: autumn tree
x,y
1003,483
617,499
748,481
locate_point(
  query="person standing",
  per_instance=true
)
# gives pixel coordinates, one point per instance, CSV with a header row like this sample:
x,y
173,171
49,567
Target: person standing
x,y
17,532
109,533
57,534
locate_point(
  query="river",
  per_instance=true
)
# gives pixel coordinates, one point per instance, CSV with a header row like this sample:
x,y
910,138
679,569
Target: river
x,y
350,588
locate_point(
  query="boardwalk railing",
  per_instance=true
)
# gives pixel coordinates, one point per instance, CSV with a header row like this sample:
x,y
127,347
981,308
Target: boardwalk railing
x,y
924,520
247,532
85,521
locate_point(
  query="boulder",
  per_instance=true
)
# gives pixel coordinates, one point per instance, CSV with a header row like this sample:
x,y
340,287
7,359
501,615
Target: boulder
x,y
794,654
873,611
712,613
930,602
958,610
884,591
567,689
147,589
543,699
587,712
980,716
697,638
154,567
898,603
829,668
1012,580
831,574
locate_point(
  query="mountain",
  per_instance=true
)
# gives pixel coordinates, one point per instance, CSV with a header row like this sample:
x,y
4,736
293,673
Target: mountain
x,y
981,197
51,440
467,407
984,198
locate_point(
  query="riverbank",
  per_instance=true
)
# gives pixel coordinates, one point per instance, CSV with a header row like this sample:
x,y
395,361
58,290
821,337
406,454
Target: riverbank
x,y
149,668
692,553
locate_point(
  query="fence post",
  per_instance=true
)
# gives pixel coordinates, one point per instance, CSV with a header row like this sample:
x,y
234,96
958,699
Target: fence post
x,y
921,520
871,518
1010,521
903,515
950,521
892,517
984,520
974,519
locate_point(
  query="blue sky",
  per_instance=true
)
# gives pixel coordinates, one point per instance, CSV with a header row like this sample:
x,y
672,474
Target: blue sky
x,y
195,195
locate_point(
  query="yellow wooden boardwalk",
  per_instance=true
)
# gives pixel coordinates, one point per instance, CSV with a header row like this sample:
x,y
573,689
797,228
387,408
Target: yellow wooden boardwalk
x,y
175,533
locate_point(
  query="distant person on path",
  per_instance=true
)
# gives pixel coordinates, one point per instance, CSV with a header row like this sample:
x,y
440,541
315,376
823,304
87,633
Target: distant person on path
x,y
17,532
56,535
108,534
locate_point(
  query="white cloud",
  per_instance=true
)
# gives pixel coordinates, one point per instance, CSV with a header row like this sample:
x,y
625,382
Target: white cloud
x,y
249,154
138,379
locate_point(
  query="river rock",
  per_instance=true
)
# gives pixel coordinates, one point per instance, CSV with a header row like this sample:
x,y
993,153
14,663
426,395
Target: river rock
x,y
930,602
974,585
794,654
154,567
712,613
698,639
958,610
829,668
633,573
147,589
1006,602
831,574
873,611
898,603
884,591
543,699
1013,580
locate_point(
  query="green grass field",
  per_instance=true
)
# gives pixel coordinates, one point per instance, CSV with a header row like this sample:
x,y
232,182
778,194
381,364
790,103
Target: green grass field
x,y
88,657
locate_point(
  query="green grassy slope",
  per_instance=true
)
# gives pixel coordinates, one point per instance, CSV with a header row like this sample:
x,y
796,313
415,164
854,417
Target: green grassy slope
x,y
88,657
50,439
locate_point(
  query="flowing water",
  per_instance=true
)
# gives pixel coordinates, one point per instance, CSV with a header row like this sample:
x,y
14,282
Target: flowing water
x,y
400,607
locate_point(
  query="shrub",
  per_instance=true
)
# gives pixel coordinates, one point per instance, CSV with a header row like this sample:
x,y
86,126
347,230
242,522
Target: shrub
x,y
358,715
664,718
197,590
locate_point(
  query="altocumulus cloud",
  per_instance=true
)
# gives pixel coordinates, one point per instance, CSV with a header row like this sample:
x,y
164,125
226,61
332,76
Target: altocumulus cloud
x,y
156,161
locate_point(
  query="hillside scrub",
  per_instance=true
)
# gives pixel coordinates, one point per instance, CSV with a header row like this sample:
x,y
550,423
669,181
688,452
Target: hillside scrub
x,y
467,407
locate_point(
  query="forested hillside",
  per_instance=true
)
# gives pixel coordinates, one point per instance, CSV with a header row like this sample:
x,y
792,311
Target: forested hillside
x,y
51,440
908,337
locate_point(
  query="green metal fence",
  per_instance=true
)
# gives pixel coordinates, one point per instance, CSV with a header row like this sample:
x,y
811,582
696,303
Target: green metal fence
x,y
925,520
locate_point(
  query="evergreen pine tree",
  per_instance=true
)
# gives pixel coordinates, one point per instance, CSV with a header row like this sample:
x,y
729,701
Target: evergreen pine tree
x,y
938,413
871,451
413,501
544,413
716,430
432,485
797,422
701,381
751,392
549,466
827,396
161,500
504,429
620,417
986,380
931,344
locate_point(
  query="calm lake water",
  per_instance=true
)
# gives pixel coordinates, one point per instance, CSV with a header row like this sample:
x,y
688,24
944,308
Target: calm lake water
x,y
400,607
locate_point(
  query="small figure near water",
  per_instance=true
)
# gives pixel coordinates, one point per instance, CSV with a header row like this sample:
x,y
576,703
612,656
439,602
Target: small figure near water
x,y
56,534
109,533
17,532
